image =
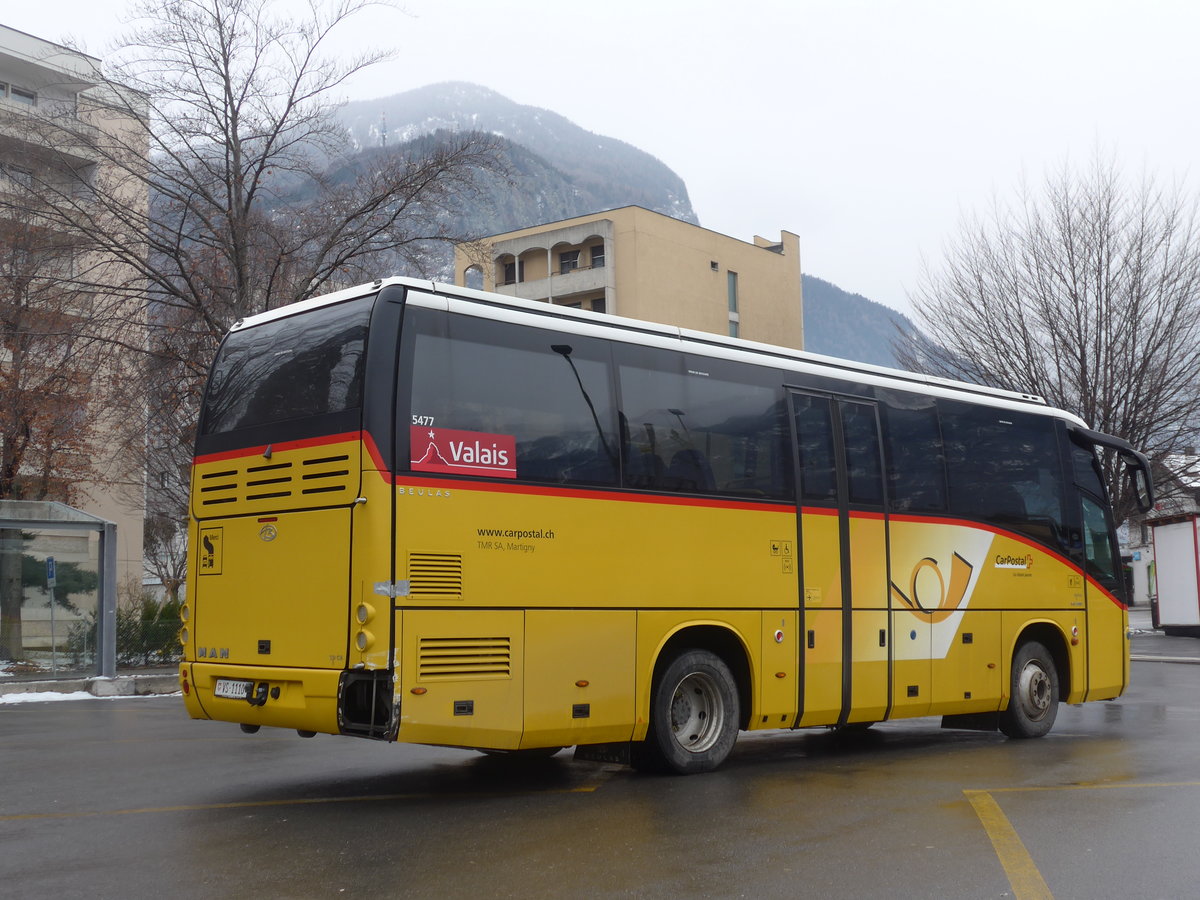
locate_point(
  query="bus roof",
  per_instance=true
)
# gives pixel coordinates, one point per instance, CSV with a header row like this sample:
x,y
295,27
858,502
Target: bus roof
x,y
638,331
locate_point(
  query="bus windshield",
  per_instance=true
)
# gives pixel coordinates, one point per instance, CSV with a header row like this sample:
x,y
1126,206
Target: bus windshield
x,y
295,367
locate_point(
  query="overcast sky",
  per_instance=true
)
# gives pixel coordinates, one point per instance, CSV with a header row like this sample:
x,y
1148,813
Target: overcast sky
x,y
867,128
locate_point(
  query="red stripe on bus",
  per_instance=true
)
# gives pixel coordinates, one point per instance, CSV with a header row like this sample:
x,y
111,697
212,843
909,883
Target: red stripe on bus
x,y
1094,585
301,444
373,452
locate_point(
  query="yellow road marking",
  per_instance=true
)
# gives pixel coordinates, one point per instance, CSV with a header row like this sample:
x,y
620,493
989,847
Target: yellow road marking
x,y
1023,875
253,804
1027,882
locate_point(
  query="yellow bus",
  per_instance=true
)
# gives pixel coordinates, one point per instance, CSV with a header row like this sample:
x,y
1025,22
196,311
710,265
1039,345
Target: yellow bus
x,y
427,514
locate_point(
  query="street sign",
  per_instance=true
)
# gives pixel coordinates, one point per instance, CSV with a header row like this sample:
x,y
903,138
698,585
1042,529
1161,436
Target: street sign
x,y
50,573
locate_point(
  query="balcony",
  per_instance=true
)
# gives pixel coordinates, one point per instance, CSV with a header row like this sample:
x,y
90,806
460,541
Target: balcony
x,y
56,135
581,280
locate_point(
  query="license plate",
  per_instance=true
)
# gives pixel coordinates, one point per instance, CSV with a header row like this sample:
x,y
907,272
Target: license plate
x,y
233,689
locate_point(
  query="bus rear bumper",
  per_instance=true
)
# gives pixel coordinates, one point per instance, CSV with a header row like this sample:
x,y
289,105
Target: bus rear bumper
x,y
303,699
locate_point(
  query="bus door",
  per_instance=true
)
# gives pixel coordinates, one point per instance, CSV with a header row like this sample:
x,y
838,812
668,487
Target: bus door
x,y
843,538
1106,623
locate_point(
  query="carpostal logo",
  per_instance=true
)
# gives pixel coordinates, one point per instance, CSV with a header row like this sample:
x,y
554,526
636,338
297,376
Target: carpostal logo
x,y
462,452
1014,562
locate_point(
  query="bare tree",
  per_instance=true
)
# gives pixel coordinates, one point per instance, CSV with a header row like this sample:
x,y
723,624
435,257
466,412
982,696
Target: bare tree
x,y
258,198
1086,293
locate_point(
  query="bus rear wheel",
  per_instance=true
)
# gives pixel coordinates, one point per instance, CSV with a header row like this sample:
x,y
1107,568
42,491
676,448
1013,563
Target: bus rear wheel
x,y
1033,693
694,716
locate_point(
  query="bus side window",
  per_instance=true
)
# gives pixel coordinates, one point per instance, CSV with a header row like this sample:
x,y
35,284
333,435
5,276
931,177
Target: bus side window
x,y
698,425
547,392
814,447
860,433
1003,467
916,471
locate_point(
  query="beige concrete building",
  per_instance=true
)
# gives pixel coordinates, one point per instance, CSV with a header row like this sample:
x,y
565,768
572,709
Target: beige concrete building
x,y
645,265
47,93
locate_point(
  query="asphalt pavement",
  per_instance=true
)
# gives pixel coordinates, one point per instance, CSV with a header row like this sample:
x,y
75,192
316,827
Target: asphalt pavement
x,y
132,799
1146,643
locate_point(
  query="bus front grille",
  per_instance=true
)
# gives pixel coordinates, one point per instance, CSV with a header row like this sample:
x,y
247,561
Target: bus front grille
x,y
456,659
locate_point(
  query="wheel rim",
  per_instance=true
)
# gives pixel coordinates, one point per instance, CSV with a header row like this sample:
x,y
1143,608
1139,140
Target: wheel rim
x,y
697,713
1035,691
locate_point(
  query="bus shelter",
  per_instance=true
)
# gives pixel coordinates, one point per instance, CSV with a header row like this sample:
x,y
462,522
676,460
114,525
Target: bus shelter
x,y
58,591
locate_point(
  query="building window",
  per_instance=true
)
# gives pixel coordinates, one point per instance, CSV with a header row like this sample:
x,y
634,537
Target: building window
x,y
598,305
732,290
20,95
598,256
568,261
514,272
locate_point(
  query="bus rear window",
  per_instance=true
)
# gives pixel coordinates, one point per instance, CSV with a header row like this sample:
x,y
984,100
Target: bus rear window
x,y
301,366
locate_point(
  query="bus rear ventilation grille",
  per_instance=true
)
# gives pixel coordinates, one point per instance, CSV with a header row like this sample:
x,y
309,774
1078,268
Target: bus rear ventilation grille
x,y
276,480
435,576
447,659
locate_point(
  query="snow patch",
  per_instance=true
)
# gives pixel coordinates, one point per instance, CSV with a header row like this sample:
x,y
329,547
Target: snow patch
x,y
53,696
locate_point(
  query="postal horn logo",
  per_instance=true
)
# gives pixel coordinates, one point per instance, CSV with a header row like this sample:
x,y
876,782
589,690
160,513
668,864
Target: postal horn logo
x,y
268,532
947,596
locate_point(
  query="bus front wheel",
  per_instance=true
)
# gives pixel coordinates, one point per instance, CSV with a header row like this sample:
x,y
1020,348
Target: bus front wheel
x,y
1033,693
693,716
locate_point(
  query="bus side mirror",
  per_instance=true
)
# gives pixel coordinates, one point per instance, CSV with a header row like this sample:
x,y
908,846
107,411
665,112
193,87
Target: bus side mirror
x,y
1143,487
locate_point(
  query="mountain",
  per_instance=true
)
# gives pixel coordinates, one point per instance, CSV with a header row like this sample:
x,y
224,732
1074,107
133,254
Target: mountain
x,y
557,170
838,323
560,169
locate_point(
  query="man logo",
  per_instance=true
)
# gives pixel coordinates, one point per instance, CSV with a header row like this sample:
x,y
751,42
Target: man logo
x,y
268,533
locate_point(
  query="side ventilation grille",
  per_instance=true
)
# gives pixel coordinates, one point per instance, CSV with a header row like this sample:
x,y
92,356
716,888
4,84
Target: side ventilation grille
x,y
447,659
435,576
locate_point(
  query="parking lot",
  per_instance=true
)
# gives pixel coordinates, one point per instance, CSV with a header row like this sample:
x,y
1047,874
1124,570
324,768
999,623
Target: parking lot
x,y
127,797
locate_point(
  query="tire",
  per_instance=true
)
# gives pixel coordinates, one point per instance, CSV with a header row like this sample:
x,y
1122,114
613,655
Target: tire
x,y
1033,693
694,716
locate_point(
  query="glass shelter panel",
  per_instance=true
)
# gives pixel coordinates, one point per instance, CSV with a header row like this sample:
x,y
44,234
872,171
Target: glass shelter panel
x,y
49,591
